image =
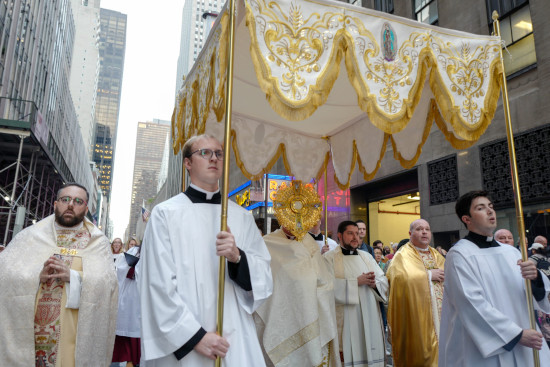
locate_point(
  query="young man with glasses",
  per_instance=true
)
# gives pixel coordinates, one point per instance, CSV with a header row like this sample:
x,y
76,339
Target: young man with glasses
x,y
178,272
58,300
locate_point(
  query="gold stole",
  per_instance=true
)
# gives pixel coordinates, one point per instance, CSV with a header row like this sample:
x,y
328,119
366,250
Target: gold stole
x,y
430,263
54,324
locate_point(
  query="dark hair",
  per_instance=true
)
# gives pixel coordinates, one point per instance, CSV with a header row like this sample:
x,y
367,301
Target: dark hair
x,y
343,225
360,221
401,243
69,184
463,204
376,243
378,248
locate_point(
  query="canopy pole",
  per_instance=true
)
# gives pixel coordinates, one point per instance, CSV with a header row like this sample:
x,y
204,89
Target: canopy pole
x,y
516,188
326,206
183,169
226,161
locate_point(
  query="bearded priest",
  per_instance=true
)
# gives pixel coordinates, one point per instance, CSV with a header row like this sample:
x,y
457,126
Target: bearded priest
x,y
58,296
359,286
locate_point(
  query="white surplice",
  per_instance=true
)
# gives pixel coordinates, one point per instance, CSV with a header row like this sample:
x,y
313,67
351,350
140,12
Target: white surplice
x,y
484,308
178,282
360,326
127,323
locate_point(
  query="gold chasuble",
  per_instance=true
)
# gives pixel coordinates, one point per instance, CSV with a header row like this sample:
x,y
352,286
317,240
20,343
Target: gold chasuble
x,y
37,328
414,306
297,324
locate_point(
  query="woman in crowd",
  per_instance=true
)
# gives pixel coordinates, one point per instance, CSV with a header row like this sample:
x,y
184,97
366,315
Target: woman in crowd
x,y
117,249
132,242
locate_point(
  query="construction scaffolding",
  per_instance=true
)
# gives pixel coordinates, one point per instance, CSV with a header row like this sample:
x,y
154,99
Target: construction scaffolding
x,y
31,171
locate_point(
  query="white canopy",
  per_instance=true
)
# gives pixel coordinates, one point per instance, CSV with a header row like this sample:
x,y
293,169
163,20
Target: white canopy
x,y
319,80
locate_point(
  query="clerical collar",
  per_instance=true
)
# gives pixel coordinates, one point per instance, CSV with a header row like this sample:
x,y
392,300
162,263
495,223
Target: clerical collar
x,y
349,252
427,249
481,241
200,196
318,237
59,227
289,236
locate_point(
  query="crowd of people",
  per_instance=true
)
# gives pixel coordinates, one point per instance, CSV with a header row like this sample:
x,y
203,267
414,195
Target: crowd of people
x,y
68,297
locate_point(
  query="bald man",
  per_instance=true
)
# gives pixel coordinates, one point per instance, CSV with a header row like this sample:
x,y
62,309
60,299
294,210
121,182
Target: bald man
x,y
542,240
505,236
415,275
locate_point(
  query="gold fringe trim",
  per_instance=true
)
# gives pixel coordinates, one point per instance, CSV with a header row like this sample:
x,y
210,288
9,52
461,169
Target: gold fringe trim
x,y
427,127
189,116
356,158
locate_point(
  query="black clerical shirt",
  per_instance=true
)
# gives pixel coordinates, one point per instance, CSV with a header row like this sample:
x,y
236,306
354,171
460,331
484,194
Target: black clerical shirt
x,y
239,273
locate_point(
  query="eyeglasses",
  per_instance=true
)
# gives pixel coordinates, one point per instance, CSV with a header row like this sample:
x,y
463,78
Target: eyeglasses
x,y
76,201
208,153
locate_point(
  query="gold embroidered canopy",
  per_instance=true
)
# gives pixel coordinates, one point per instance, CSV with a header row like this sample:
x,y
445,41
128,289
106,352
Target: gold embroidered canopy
x,y
320,80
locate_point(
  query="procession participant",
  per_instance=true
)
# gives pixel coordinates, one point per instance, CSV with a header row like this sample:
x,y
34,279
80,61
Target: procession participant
x,y
132,242
117,249
297,325
319,237
58,296
505,236
178,272
542,240
485,320
359,286
362,234
416,279
128,332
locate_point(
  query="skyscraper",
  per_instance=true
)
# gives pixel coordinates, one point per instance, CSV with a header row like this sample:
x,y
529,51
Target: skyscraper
x,y
112,46
40,142
150,142
85,67
194,32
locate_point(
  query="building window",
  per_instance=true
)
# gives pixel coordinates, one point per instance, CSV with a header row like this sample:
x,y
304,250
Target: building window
x,y
443,180
384,5
425,11
516,30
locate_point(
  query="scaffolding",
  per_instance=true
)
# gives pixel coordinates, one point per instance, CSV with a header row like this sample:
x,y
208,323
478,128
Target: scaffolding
x,y
29,175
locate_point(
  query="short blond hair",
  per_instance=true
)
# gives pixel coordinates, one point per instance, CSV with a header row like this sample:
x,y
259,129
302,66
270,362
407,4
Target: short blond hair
x,y
188,146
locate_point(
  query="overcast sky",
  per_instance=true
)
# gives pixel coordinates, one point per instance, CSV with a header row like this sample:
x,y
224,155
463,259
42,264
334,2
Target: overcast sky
x,y
152,48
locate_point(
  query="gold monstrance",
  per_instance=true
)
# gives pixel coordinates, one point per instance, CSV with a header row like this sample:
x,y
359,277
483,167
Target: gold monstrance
x,y
297,208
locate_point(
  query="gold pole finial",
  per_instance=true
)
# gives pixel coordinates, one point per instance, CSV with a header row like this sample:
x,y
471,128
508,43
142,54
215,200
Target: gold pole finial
x,y
494,15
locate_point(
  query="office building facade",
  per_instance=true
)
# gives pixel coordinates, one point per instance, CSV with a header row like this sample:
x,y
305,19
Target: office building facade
x,y
150,143
112,47
41,144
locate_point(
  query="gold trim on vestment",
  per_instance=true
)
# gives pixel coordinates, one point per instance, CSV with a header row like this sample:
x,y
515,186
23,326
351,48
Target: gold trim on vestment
x,y
295,342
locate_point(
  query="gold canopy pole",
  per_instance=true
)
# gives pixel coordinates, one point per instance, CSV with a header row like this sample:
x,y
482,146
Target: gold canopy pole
x,y
515,186
183,176
226,161
326,206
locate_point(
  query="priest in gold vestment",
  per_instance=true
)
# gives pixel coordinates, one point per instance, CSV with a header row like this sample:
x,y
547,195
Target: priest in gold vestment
x,y
297,325
416,275
58,295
